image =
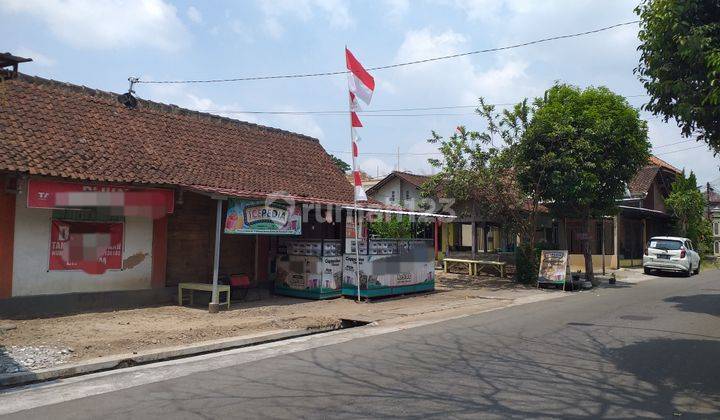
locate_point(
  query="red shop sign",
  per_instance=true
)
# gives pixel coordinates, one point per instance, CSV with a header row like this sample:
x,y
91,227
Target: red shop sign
x,y
92,247
151,202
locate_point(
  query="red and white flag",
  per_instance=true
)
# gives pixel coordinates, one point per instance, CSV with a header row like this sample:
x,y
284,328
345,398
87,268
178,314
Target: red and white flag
x,y
361,86
361,83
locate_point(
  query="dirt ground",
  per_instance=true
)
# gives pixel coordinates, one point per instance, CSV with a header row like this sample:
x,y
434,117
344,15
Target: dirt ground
x,y
97,334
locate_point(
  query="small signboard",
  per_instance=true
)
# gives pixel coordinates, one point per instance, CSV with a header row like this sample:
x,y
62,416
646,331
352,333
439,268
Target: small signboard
x,y
261,218
92,247
553,267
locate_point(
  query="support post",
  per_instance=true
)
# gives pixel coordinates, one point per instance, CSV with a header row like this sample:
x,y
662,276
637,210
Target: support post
x,y
214,306
437,240
616,240
485,236
7,235
473,235
602,240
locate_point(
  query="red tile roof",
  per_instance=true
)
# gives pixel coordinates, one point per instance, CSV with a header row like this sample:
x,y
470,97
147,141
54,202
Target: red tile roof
x,y
62,130
642,180
656,161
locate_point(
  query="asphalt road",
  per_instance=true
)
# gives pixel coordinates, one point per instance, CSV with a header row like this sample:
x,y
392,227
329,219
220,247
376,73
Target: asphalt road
x,y
650,349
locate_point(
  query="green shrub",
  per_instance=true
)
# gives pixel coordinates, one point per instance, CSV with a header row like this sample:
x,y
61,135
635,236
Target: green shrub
x,y
527,262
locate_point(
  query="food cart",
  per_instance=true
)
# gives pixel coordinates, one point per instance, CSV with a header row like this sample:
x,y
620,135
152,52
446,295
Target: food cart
x,y
389,267
309,268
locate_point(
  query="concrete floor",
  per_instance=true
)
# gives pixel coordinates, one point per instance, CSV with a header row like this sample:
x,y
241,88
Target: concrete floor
x,y
646,349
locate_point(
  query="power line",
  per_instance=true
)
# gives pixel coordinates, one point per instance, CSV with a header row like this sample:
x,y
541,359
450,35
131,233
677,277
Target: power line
x,y
386,153
371,112
673,144
682,150
439,153
391,66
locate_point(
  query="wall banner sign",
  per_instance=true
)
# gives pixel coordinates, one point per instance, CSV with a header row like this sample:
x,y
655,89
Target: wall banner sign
x,y
93,247
261,218
131,201
553,267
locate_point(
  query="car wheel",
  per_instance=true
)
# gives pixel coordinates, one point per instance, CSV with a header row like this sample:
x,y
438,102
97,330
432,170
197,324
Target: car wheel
x,y
688,273
697,270
646,270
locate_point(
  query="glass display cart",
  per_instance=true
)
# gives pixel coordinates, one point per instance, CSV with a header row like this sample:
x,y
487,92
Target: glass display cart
x,y
309,268
389,267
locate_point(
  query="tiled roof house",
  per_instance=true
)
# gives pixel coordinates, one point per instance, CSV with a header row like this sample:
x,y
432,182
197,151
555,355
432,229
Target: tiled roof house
x,y
62,130
77,138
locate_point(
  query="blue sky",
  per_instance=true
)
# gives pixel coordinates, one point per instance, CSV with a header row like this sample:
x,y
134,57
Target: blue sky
x,y
100,44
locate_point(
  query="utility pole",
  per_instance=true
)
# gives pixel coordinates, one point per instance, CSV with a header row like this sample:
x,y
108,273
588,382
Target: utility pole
x,y
398,159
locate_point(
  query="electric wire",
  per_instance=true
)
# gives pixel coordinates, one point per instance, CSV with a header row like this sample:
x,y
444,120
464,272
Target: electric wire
x,y
390,66
374,112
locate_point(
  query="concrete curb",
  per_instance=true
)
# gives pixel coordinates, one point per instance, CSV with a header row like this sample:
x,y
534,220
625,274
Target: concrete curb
x,y
126,360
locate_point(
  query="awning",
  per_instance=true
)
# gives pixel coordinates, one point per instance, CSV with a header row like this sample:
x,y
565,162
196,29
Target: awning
x,y
643,212
121,199
404,212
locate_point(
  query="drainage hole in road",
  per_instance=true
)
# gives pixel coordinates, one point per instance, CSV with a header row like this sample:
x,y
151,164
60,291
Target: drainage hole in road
x,y
351,323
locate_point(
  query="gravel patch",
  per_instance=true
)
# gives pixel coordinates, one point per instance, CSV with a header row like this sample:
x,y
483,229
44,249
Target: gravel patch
x,y
15,359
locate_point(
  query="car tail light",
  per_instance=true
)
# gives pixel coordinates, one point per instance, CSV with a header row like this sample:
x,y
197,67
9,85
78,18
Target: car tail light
x,y
646,251
682,252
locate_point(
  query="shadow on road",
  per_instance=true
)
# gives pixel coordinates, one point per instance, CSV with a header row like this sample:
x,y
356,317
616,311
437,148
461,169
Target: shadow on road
x,y
676,364
7,363
702,304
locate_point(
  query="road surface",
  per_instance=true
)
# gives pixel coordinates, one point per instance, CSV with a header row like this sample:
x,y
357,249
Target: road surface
x,y
650,349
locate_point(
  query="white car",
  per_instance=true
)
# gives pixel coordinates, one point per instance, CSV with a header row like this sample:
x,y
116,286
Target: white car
x,y
671,253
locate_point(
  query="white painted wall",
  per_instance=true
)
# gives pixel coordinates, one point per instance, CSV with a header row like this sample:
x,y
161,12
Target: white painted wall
x,y
31,255
384,194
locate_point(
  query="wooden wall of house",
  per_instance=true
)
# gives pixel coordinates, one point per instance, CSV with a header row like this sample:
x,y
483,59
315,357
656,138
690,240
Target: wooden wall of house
x,y
190,249
191,244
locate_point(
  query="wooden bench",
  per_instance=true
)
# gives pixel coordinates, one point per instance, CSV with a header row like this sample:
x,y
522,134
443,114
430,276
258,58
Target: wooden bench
x,y
205,287
473,265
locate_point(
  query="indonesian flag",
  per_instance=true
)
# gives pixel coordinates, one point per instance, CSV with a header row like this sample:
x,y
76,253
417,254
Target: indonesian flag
x,y
361,83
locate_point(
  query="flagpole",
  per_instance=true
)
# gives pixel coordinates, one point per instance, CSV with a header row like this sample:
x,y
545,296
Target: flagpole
x,y
356,213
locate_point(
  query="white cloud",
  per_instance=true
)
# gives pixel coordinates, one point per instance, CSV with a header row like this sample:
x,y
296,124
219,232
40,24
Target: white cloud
x,y
274,28
107,24
183,97
503,79
239,28
194,14
482,10
335,12
396,9
38,58
373,166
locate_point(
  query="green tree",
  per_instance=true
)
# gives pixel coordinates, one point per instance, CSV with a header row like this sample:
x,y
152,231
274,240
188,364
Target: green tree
x,y
477,173
341,164
687,204
395,226
680,63
583,146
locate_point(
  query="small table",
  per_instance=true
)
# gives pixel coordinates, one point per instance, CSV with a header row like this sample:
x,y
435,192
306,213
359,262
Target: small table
x,y
205,287
472,265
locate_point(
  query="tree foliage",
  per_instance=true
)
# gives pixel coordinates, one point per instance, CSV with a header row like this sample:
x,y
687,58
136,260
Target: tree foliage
x,y
341,164
687,204
395,226
680,63
583,146
476,172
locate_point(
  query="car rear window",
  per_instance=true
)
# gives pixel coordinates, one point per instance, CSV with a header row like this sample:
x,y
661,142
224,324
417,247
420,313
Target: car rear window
x,y
665,244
